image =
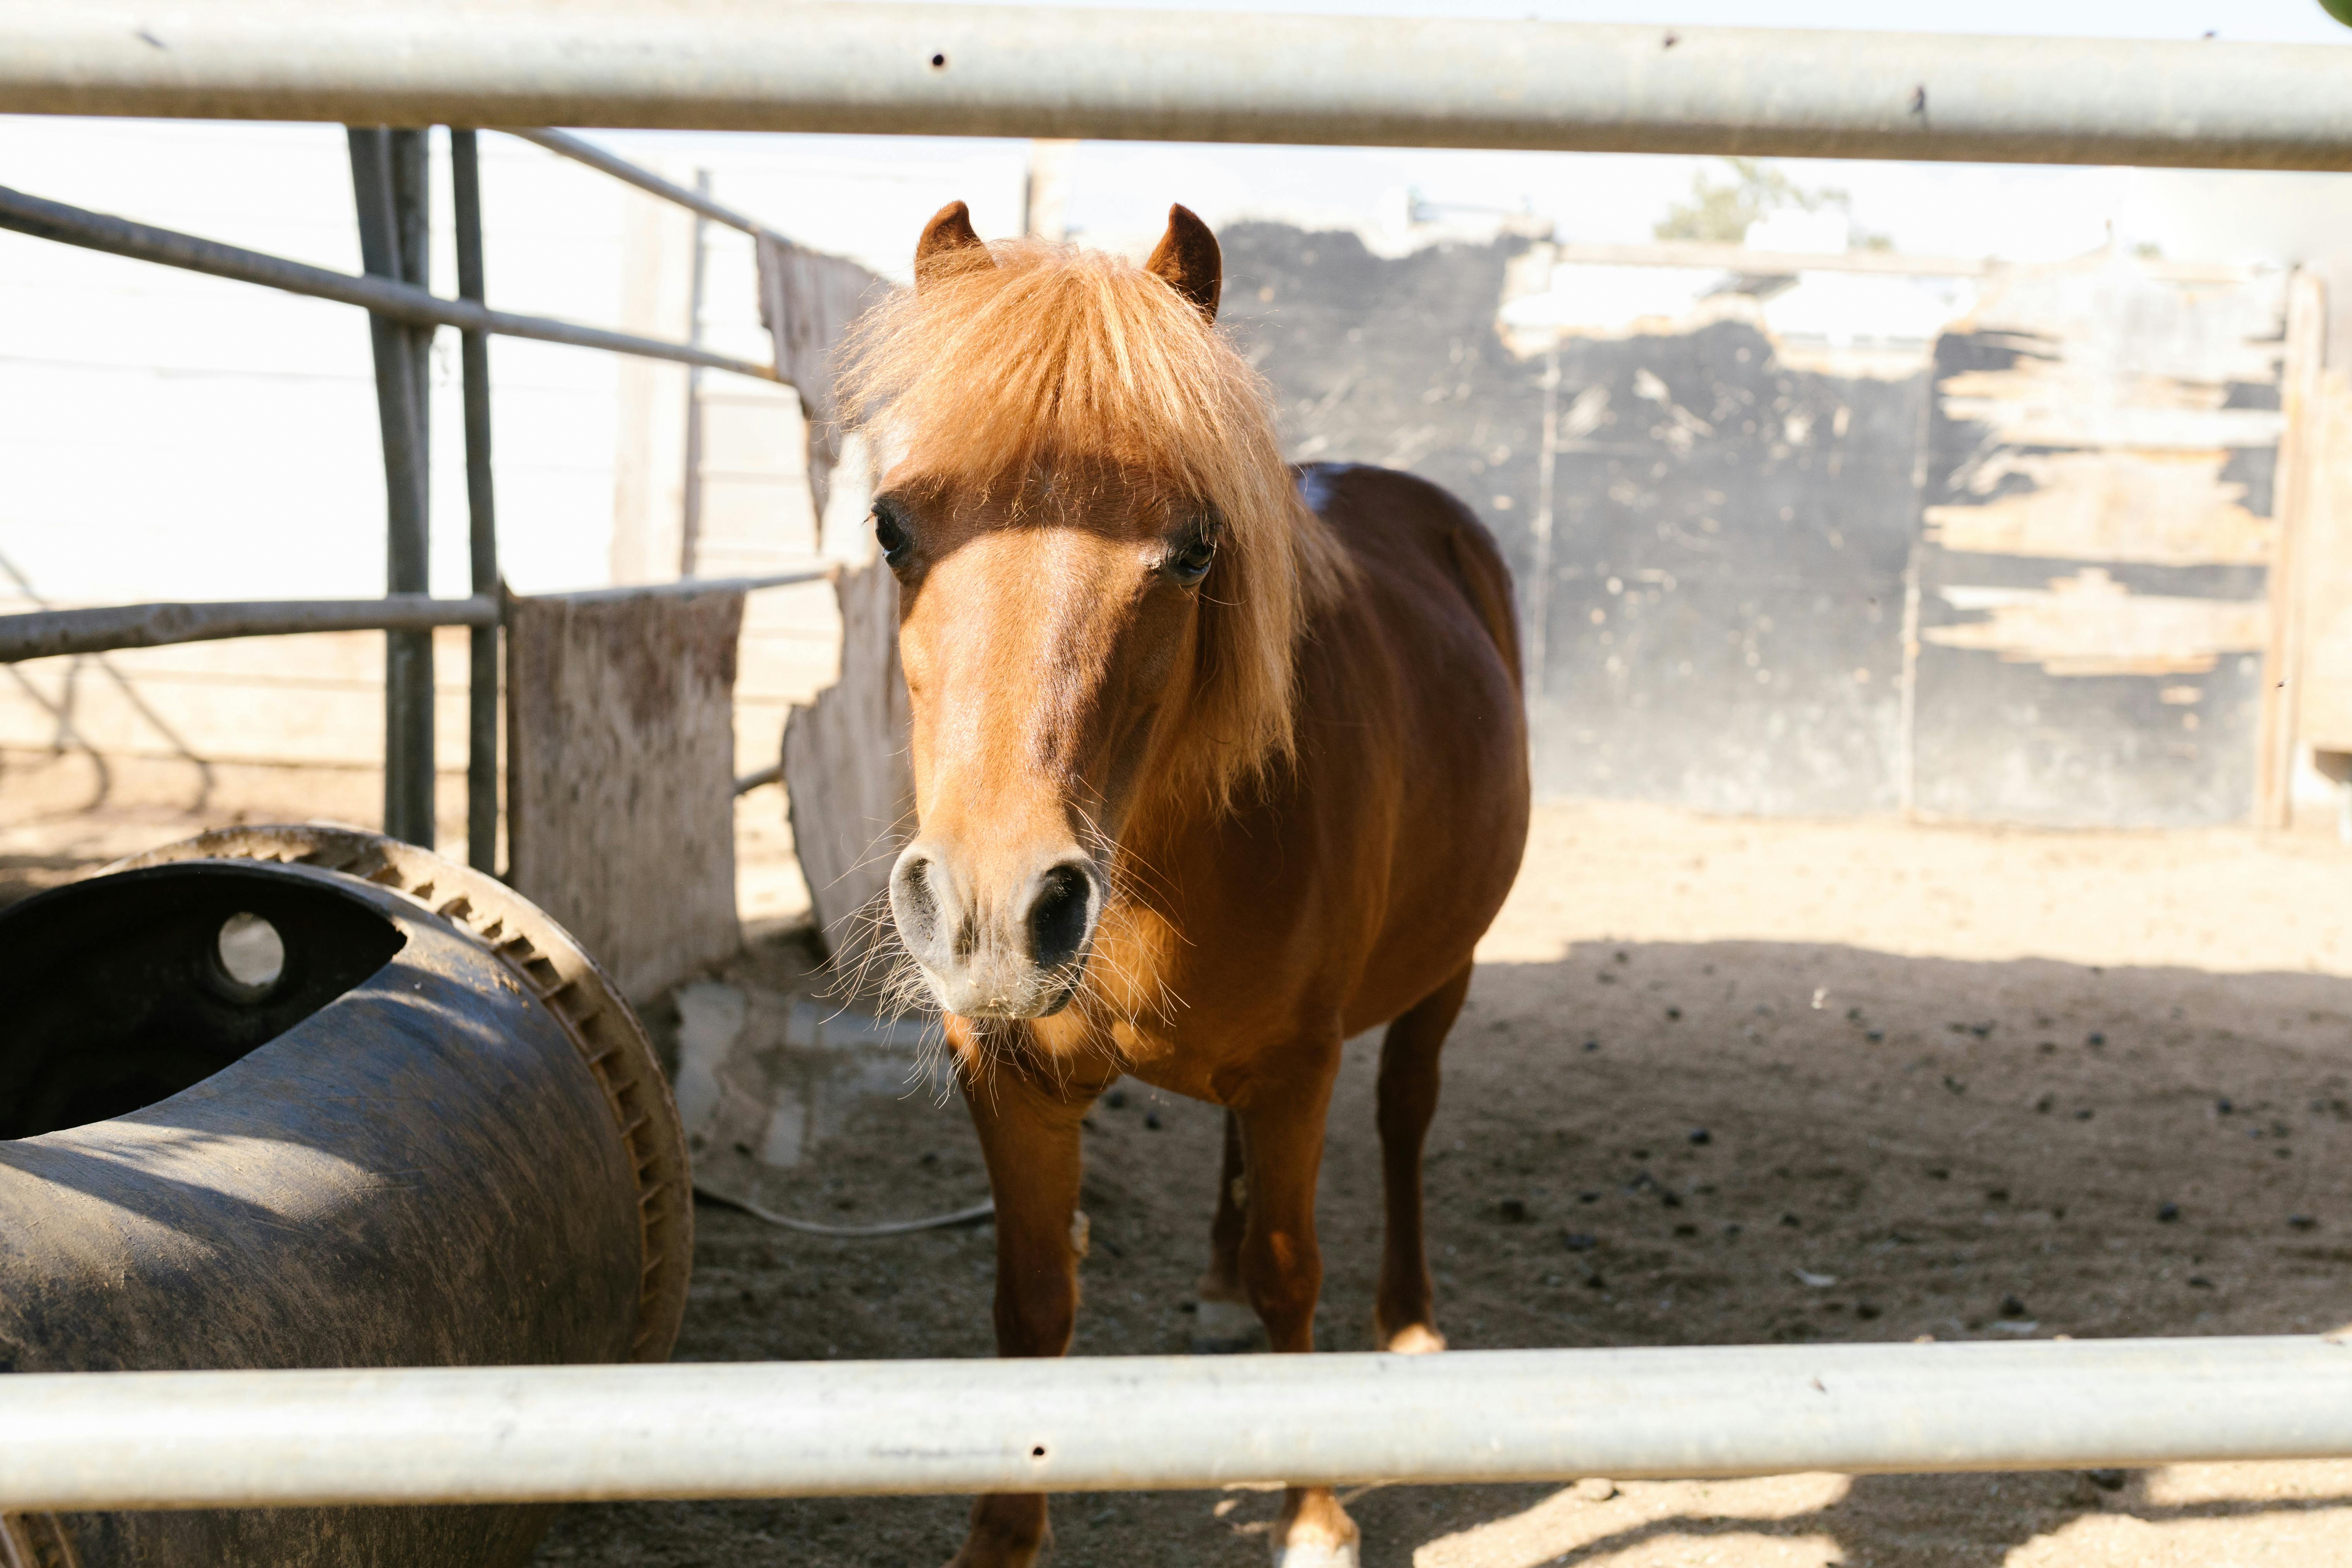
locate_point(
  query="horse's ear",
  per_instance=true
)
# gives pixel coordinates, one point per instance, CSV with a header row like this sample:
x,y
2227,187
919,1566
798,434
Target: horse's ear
x,y
949,246
1187,256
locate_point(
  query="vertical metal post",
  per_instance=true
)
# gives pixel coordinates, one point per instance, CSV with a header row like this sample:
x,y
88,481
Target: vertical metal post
x,y
482,680
388,182
690,562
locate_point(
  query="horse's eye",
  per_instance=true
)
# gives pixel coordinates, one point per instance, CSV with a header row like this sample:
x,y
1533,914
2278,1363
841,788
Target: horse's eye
x,y
890,533
1189,564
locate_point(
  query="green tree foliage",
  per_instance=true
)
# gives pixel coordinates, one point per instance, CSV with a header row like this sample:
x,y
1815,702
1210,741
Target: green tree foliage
x,y
1721,209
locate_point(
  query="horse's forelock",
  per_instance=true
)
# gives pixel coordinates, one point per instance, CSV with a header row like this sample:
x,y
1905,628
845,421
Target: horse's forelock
x,y
981,376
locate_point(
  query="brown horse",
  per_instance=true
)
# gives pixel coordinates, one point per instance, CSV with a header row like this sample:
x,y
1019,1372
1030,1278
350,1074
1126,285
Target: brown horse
x,y
1217,763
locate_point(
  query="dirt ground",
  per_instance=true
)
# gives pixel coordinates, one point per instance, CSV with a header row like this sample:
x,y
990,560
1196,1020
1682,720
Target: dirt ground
x,y
1984,1082
1959,1072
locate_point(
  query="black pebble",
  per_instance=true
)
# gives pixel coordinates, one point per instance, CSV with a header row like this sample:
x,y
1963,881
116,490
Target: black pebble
x,y
1577,1241
1791,1221
2200,1283
930,1156
2107,1480
2012,1307
2094,1038
1151,1119
1674,1013
1513,1210
2222,1107
2084,1114
1864,1311
2301,1221
1672,1199
1592,1044
1588,1197
1731,1229
1701,1135
1685,1230
1874,1035
2168,1213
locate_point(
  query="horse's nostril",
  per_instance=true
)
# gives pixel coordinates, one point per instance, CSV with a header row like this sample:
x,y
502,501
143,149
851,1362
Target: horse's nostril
x,y
1059,916
912,904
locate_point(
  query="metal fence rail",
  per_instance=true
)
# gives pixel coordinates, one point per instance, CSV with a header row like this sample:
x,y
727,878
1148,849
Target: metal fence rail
x,y
1013,71
646,180
192,1439
46,634
405,302
389,176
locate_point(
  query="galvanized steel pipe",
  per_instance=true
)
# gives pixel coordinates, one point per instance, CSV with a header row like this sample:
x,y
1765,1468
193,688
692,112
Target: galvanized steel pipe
x,y
45,219
45,634
183,1439
646,180
737,64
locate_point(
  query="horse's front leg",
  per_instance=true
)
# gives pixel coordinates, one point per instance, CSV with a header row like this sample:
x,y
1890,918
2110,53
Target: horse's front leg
x,y
1282,1152
1029,1136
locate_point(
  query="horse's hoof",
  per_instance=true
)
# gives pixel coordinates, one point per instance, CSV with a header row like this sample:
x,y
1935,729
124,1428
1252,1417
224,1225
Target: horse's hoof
x,y
1225,1327
1415,1339
1315,1555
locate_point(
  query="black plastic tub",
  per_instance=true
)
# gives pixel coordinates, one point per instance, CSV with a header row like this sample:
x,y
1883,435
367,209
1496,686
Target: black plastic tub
x,y
302,1097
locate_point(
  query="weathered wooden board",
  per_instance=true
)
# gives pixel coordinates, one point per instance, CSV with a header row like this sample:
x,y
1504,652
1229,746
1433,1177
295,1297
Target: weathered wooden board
x,y
1721,539
849,778
2324,714
621,775
2093,574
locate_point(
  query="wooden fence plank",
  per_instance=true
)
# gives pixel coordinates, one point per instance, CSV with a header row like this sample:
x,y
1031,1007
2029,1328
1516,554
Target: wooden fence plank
x,y
621,758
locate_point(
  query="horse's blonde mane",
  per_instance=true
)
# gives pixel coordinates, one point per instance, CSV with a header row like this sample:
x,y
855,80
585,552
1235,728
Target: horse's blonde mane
x,y
1053,354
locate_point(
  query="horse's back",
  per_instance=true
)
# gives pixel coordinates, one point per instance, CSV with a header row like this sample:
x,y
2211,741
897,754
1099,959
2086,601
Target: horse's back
x,y
1384,514
1415,676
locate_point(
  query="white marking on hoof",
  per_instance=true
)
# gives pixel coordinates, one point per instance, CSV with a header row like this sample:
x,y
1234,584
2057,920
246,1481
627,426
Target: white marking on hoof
x,y
1315,1555
1415,1339
1224,1328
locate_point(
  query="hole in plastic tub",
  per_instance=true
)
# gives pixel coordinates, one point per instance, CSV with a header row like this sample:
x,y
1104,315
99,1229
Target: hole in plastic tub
x,y
252,955
124,990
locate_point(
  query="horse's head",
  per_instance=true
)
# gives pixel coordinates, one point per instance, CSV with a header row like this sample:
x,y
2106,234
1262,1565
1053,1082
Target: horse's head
x,y
1093,605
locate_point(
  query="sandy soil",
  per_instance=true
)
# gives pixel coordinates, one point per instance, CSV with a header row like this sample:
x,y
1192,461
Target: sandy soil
x,y
1958,1071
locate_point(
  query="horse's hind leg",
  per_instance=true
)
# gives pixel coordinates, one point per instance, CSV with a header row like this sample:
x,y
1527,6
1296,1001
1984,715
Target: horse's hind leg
x,y
1404,1317
1224,1322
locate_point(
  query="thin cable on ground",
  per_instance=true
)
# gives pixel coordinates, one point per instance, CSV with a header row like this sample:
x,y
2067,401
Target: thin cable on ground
x,y
971,1215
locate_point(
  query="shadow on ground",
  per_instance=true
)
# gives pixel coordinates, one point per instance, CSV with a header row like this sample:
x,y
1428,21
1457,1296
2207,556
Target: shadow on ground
x,y
1652,1144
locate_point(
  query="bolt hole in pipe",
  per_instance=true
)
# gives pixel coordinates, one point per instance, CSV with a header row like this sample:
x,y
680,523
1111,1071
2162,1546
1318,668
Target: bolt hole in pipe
x,y
939,62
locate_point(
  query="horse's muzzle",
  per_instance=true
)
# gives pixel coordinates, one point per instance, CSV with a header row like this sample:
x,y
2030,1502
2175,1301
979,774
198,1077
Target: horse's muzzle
x,y
990,954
